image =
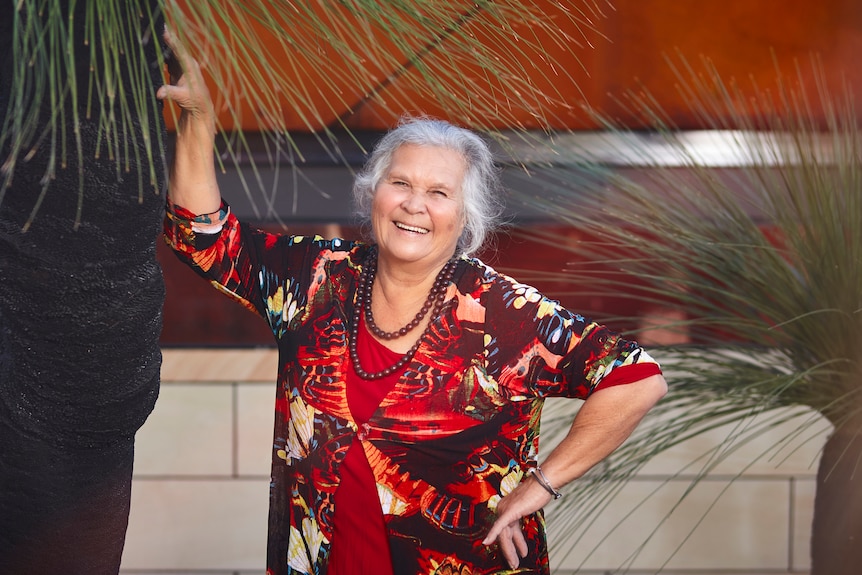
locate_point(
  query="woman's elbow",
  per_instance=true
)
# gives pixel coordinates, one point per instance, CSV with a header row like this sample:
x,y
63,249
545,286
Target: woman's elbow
x,y
655,387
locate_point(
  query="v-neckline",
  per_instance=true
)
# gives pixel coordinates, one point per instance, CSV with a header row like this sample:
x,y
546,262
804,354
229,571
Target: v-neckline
x,y
365,396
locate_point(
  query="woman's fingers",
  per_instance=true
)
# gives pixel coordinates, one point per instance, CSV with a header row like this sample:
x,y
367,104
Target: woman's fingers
x,y
513,544
170,92
187,88
175,69
182,66
504,519
180,59
507,547
525,499
506,531
520,541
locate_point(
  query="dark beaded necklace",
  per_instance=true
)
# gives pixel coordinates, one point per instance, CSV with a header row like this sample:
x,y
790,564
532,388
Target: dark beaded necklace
x,y
436,299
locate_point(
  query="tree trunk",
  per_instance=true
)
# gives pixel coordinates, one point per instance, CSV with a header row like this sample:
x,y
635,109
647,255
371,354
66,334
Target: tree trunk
x,y
836,542
80,317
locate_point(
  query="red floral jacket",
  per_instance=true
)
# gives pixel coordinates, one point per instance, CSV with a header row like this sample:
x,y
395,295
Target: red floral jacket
x,y
458,431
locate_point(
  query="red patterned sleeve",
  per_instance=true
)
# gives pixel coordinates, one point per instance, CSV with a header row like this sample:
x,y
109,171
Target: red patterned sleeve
x,y
219,248
536,347
181,227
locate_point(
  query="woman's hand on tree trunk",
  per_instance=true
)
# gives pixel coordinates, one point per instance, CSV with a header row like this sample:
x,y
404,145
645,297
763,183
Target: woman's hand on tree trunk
x,y
187,87
193,183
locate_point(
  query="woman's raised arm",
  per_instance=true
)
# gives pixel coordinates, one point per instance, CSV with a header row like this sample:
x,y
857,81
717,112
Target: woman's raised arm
x,y
192,183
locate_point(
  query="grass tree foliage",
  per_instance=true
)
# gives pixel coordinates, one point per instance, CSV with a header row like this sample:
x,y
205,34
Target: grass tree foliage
x,y
761,263
82,182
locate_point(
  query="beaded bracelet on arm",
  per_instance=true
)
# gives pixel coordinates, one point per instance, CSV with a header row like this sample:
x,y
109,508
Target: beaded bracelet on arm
x,y
211,223
540,478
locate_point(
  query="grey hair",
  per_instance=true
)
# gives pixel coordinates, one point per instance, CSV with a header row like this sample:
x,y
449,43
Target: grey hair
x,y
483,208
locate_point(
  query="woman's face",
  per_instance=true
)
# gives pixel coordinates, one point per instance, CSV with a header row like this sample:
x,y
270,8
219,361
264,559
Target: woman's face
x,y
418,208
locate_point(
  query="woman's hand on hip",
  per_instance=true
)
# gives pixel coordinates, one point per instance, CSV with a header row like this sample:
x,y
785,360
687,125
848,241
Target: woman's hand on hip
x,y
506,531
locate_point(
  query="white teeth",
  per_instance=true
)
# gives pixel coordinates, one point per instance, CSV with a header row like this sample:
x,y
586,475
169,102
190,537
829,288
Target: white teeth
x,y
411,228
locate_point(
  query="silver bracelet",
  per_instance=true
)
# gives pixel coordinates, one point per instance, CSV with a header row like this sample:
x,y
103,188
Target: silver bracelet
x,y
540,478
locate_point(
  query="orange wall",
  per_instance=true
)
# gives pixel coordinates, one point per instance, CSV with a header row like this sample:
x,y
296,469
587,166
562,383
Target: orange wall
x,y
744,39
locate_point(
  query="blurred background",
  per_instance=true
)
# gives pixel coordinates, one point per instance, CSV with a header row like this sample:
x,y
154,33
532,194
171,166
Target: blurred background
x,y
200,490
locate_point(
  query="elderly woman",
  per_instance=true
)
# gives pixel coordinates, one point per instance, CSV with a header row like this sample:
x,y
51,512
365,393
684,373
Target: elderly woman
x,y
411,376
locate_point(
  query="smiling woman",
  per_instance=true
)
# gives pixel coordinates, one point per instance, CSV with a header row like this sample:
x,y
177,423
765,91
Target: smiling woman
x,y
412,376
418,209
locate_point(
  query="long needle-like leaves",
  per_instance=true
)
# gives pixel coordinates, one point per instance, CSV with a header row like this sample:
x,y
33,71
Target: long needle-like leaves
x,y
761,257
279,67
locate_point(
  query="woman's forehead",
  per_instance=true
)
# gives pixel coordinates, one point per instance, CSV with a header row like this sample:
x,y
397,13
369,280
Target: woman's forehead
x,y
438,159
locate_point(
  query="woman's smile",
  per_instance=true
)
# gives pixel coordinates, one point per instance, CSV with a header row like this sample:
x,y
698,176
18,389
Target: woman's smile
x,y
413,229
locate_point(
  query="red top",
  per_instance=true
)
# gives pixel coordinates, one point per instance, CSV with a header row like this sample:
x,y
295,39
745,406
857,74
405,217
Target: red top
x,y
359,543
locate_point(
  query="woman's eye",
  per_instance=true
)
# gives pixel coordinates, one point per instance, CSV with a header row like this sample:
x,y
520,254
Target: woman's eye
x,y
439,193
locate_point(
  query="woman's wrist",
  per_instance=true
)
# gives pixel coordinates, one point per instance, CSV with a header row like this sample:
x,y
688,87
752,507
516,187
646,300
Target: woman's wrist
x,y
539,476
196,126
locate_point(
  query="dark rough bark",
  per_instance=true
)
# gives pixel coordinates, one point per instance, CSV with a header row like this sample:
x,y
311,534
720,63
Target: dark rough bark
x,y
836,542
80,317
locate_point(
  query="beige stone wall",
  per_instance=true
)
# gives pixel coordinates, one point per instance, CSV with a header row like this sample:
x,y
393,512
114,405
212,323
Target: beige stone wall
x,y
199,498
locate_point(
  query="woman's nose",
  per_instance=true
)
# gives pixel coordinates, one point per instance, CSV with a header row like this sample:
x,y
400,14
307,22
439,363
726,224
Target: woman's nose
x,y
414,202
